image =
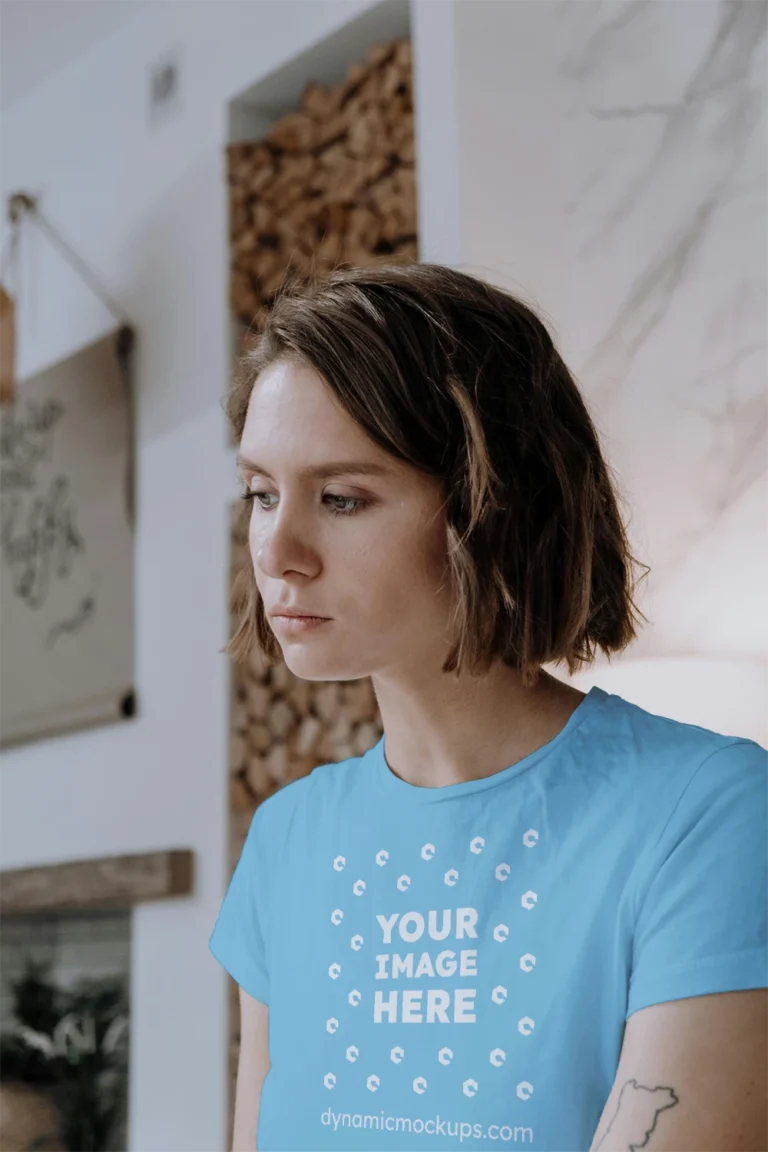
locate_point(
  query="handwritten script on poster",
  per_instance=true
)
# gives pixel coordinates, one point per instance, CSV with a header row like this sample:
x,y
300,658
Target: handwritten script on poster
x,y
66,546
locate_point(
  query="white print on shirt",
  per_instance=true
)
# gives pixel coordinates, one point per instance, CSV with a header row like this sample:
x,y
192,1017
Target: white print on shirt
x,y
430,1005
411,928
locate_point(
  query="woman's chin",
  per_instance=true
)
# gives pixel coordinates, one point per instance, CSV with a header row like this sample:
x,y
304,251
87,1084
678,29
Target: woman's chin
x,y
312,666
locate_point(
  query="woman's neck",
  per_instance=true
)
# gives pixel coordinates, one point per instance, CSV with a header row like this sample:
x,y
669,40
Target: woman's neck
x,y
455,729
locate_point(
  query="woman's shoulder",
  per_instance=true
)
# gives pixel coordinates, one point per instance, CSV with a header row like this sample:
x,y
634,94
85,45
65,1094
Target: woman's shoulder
x,y
653,759
633,728
323,786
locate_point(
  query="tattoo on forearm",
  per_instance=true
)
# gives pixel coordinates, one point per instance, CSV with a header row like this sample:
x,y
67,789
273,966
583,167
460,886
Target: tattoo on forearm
x,y
644,1105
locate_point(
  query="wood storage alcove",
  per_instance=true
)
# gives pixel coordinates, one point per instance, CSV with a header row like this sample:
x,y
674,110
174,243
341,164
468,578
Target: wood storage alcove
x,y
331,183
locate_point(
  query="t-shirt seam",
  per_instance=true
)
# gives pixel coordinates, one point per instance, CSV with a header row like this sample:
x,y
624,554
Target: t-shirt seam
x,y
381,766
648,855
235,969
276,870
705,962
265,920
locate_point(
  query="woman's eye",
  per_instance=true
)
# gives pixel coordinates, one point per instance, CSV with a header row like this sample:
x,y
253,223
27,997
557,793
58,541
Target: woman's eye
x,y
355,502
250,495
349,504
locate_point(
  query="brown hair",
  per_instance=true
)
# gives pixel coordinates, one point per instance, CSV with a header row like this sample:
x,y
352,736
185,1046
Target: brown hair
x,y
461,380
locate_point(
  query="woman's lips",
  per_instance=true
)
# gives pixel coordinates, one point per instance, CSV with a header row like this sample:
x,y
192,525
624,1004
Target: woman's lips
x,y
299,624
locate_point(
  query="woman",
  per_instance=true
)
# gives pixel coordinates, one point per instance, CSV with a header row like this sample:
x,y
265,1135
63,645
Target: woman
x,y
438,943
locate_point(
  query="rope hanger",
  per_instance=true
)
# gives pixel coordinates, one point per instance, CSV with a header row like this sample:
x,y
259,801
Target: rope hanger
x,y
22,204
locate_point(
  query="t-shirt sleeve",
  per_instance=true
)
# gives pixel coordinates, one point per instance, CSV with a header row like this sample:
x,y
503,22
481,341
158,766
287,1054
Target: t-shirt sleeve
x,y
702,924
238,940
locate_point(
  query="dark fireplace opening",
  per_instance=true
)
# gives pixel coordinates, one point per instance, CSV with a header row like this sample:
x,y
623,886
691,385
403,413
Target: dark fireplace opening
x,y
64,1028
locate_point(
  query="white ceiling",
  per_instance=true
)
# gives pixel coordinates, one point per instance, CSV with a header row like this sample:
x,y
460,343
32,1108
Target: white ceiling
x,y
37,37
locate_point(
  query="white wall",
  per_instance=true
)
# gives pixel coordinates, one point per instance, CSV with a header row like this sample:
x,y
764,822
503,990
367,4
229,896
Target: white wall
x,y
612,171
663,143
147,210
39,38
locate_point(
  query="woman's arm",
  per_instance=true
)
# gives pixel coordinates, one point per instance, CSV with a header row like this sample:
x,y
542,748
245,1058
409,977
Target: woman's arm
x,y
252,1067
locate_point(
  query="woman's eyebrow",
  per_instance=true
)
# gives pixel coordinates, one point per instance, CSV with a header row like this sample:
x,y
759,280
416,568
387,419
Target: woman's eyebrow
x,y
321,471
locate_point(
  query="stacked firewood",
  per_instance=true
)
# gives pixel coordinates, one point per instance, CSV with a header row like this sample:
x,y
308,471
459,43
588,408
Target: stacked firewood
x,y
332,183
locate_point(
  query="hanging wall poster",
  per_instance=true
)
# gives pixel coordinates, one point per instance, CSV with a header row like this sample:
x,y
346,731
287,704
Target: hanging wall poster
x,y
66,545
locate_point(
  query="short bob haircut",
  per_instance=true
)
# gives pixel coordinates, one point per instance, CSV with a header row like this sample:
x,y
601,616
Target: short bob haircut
x,y
462,381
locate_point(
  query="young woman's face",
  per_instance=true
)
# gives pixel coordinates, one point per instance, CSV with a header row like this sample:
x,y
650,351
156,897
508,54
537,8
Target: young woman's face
x,y
366,550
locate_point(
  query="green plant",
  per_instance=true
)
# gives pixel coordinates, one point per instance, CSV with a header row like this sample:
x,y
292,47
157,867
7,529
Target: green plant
x,y
76,1040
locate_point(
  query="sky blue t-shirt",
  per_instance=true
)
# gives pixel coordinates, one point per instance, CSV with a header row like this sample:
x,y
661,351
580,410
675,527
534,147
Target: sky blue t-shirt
x,y
453,967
